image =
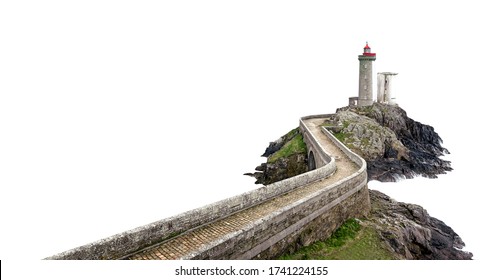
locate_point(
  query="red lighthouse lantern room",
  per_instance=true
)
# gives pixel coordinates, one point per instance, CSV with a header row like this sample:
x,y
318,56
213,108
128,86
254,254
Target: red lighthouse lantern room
x,y
367,50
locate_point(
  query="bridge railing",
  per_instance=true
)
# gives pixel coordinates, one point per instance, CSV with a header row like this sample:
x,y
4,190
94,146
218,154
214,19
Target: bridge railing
x,y
349,194
323,157
128,242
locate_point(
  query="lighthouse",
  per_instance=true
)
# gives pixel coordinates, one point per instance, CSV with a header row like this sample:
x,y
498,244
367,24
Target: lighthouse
x,y
365,77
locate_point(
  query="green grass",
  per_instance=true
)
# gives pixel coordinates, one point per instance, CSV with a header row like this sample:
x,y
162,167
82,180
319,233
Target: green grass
x,y
292,133
340,136
295,146
327,123
351,241
344,137
365,142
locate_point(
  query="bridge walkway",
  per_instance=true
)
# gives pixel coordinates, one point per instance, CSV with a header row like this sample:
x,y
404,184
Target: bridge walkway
x,y
183,245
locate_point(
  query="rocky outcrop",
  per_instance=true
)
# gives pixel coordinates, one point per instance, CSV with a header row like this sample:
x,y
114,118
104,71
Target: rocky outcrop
x,y
366,137
394,145
411,233
280,142
281,167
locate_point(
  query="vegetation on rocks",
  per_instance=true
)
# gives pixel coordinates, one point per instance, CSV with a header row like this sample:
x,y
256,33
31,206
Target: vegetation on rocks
x,y
294,146
392,230
286,157
364,135
351,241
394,145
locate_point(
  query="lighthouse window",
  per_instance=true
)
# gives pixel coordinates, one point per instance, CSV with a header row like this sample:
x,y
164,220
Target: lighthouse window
x,y
365,66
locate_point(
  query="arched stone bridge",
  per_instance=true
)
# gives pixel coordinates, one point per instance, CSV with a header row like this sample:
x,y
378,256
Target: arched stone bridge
x,y
259,224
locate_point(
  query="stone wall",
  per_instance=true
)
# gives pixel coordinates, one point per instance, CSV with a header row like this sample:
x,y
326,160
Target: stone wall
x,y
122,244
313,217
320,155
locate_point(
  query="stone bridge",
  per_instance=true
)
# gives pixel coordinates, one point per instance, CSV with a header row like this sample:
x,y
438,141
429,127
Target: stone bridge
x,y
259,224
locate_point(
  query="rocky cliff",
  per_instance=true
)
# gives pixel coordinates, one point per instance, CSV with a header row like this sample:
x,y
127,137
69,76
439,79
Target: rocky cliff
x,y
394,146
286,157
411,233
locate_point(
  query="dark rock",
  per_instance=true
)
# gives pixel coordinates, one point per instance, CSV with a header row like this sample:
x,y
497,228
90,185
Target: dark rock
x,y
411,233
395,147
273,147
281,169
409,150
279,143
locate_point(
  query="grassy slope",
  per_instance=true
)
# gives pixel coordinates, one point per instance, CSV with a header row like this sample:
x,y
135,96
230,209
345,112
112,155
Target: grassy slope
x,y
295,146
352,241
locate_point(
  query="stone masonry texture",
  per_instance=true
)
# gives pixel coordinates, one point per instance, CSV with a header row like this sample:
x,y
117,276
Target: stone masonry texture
x,y
260,224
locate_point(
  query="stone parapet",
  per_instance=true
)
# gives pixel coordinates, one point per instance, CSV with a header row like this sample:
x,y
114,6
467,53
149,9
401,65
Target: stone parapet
x,y
125,243
308,218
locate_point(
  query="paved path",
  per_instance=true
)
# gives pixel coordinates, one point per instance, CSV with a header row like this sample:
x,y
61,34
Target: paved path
x,y
181,246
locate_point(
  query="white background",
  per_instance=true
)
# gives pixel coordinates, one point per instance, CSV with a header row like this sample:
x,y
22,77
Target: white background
x,y
115,114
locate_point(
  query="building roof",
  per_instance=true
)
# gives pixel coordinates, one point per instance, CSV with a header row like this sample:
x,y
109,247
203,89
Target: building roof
x,y
367,50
